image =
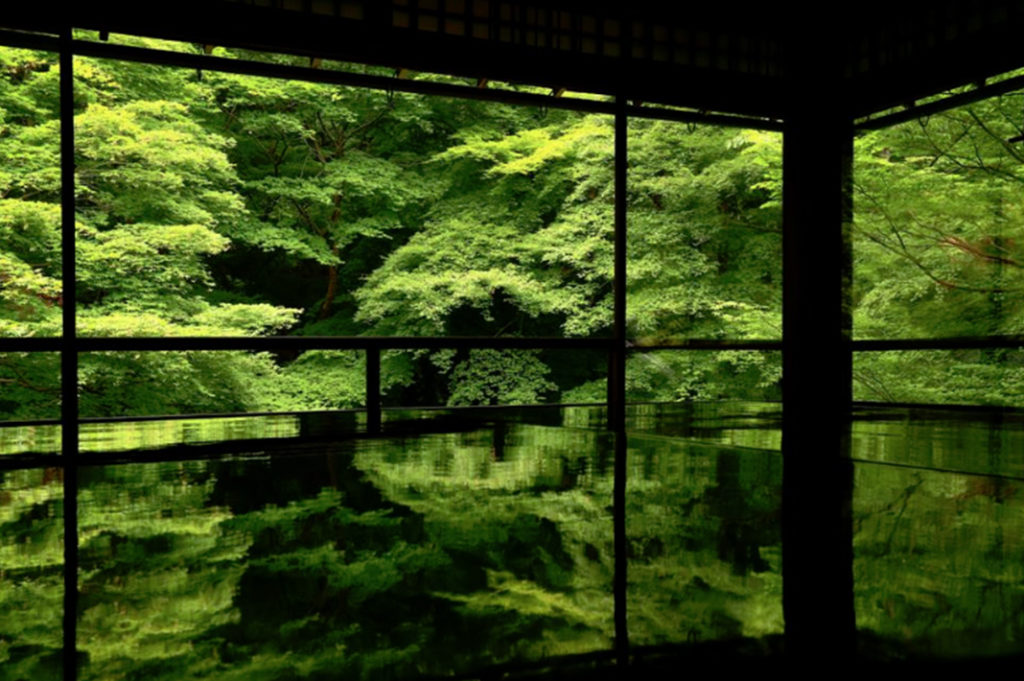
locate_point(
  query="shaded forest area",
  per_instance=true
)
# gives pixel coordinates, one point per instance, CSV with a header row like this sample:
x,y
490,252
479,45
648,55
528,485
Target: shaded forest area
x,y
212,204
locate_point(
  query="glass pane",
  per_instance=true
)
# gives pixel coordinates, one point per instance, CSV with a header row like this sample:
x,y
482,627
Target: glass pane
x,y
705,232
32,578
704,375
938,228
372,559
29,439
705,550
989,441
460,378
225,205
938,563
215,382
734,423
29,386
159,210
117,436
31,294
29,392
977,377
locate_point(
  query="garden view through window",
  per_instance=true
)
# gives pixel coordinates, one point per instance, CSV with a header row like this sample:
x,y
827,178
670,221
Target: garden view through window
x,y
238,513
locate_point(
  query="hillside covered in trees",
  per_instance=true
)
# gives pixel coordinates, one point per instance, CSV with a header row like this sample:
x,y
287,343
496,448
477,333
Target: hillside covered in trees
x,y
213,204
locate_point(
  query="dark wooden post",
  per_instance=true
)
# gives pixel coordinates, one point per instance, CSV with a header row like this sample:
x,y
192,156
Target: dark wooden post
x,y
69,357
373,409
617,386
817,536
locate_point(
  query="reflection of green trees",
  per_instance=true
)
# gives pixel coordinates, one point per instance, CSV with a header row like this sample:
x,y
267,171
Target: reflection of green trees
x,y
448,552
128,436
257,570
940,561
31,574
383,558
939,555
704,542
528,513
158,569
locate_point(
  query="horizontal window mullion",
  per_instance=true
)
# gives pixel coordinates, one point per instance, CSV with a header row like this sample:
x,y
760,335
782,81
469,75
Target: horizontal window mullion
x,y
952,343
31,344
872,345
120,344
988,409
709,344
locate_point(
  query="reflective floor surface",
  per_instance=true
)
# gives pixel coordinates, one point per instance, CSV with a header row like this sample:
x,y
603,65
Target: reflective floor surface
x,y
451,544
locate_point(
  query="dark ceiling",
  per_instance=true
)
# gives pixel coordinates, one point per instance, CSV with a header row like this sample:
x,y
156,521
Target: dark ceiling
x,y
756,59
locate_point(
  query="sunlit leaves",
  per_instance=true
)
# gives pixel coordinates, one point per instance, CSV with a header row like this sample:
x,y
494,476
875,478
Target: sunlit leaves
x,y
225,204
148,161
704,232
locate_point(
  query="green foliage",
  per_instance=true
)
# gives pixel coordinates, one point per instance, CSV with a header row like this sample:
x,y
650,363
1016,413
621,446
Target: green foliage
x,y
30,385
318,379
30,289
693,376
938,560
937,252
705,233
478,265
232,205
31,581
499,377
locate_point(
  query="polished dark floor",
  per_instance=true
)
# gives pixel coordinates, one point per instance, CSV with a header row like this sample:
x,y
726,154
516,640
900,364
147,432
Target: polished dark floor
x,y
467,540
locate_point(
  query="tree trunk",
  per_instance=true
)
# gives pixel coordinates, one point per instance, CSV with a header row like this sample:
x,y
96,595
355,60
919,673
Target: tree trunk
x,y
332,292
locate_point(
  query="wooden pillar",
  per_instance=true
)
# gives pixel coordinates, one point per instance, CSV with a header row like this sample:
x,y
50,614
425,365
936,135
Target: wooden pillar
x,y
817,552
69,358
617,386
373,408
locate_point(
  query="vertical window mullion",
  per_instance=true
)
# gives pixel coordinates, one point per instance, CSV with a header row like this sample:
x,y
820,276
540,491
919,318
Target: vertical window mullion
x,y
69,357
617,384
372,400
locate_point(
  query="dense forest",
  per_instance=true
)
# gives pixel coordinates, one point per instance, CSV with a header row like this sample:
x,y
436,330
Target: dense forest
x,y
213,204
